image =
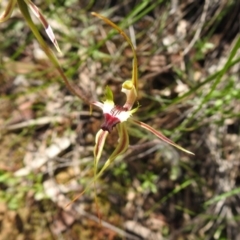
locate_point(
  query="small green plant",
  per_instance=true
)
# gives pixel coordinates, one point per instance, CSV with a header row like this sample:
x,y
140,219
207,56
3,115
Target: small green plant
x,y
17,188
148,181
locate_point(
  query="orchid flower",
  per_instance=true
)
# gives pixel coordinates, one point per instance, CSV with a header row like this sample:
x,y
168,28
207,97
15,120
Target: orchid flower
x,y
117,116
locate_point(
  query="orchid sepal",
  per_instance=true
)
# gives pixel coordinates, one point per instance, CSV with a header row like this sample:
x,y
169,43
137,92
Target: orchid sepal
x,y
121,148
99,144
108,94
159,135
135,62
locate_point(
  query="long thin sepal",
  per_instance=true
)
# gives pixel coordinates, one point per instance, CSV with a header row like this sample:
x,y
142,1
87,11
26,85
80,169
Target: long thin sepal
x,y
8,11
120,149
135,63
44,22
100,141
159,135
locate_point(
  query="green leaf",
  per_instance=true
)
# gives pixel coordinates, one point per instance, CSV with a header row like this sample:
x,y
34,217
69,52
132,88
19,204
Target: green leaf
x,y
222,196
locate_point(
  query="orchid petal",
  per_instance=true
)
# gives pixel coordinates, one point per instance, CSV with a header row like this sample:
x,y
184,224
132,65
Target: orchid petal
x,y
8,11
44,22
100,141
98,104
123,141
120,149
135,63
159,135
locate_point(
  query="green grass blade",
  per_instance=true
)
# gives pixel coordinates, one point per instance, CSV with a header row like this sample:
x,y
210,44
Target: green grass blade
x,y
222,196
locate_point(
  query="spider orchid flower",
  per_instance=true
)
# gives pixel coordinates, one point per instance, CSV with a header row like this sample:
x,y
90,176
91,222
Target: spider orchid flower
x,y
117,116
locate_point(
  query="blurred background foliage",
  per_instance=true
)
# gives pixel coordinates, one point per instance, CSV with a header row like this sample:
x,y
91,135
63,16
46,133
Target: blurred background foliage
x,y
189,68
